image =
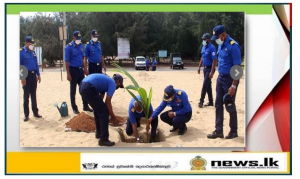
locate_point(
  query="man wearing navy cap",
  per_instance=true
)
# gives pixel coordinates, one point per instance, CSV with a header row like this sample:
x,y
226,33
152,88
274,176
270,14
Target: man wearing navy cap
x,y
93,89
136,112
209,60
229,54
29,60
75,74
181,112
93,53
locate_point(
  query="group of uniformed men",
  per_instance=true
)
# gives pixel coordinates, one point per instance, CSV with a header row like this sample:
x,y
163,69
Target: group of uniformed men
x,y
94,86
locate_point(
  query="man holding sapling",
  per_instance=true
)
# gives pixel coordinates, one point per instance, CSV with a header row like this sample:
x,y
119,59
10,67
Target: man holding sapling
x,y
136,112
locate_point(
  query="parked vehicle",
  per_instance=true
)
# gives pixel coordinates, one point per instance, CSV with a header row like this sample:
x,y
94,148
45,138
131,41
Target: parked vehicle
x,y
140,62
176,61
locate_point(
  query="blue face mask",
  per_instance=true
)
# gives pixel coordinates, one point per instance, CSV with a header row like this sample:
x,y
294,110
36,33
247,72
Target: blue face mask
x,y
204,42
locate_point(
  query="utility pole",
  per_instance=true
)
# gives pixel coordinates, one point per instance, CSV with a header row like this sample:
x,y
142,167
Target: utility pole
x,y
64,40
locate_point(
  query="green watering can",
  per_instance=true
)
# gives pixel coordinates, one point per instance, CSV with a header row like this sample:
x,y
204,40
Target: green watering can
x,y
63,110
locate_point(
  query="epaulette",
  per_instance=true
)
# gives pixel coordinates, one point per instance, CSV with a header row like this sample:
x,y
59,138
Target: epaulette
x,y
99,41
179,92
21,49
132,110
232,42
88,43
70,44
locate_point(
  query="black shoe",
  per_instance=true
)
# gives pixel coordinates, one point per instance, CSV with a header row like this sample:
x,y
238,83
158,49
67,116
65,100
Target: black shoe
x,y
37,115
181,132
26,119
151,140
88,109
106,143
215,135
75,111
200,105
209,104
97,136
231,135
174,129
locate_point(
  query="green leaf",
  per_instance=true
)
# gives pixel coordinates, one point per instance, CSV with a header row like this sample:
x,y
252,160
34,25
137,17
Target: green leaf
x,y
149,102
131,87
122,70
143,95
135,98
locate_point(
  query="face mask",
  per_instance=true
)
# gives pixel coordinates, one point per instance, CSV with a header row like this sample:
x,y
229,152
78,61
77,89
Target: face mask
x,y
77,42
94,39
31,47
140,111
219,41
204,42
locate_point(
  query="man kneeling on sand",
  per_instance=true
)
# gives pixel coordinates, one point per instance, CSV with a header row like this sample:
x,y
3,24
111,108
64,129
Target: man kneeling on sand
x,y
93,89
136,112
181,112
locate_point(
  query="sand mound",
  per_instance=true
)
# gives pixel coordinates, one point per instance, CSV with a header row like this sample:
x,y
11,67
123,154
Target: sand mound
x,y
86,123
81,122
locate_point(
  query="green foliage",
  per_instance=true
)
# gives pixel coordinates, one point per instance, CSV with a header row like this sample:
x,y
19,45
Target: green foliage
x,y
148,31
145,99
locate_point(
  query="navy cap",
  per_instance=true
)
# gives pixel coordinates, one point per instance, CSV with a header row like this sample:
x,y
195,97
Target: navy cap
x,y
219,29
227,99
29,39
168,92
77,35
120,78
205,36
95,33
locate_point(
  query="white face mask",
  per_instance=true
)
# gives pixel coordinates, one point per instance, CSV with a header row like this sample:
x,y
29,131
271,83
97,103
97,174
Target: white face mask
x,y
204,42
77,42
94,39
140,111
31,47
219,41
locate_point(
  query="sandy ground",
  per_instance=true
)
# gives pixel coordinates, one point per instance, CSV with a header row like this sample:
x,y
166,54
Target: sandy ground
x,y
50,130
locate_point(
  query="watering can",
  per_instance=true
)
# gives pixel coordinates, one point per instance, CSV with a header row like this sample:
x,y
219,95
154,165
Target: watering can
x,y
63,110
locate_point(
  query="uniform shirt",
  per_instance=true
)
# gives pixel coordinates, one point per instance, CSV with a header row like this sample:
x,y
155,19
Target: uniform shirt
x,y
229,54
133,115
180,104
74,54
147,62
208,54
93,51
154,62
29,60
102,83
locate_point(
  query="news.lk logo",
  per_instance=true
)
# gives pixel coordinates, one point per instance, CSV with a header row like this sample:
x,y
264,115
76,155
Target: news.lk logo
x,y
268,163
90,166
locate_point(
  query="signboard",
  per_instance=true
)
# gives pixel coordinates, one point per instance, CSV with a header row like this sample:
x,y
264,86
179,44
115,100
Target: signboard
x,y
63,32
162,54
123,48
38,52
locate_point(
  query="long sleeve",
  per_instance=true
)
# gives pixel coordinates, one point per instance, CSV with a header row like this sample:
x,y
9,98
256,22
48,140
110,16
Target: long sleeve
x,y
186,105
159,109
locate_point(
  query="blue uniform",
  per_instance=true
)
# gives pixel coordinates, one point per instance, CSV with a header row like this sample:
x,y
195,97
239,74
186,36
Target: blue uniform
x,y
154,62
208,54
102,83
229,54
93,52
134,117
181,105
147,64
74,55
89,89
29,60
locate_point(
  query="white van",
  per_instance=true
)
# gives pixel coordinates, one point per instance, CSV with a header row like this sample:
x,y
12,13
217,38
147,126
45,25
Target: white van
x,y
140,62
